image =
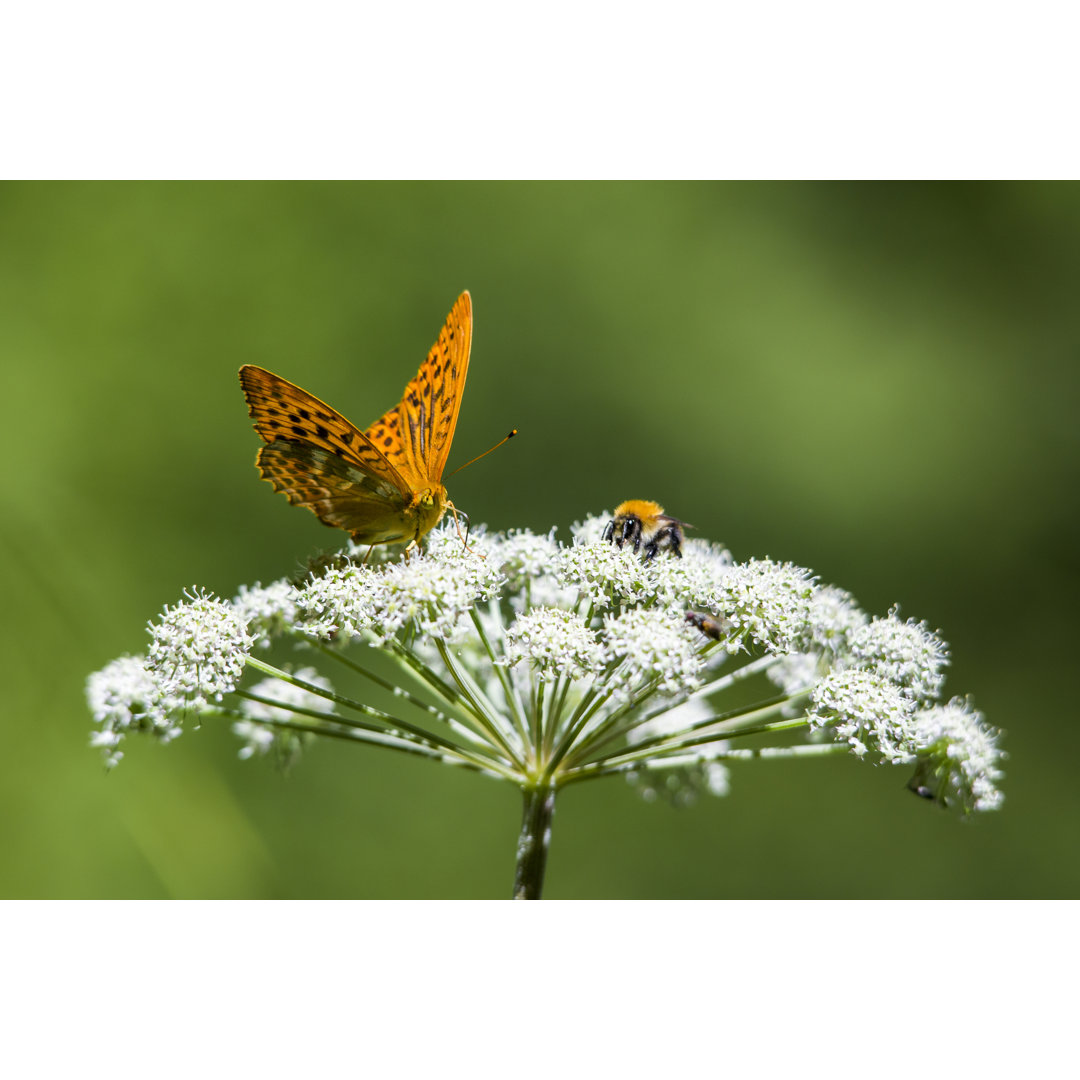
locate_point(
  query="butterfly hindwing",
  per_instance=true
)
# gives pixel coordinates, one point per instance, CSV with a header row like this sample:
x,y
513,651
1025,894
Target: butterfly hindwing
x,y
416,434
337,492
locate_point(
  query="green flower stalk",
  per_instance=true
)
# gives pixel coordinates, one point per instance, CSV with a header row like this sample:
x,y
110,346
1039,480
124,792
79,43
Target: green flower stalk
x,y
545,664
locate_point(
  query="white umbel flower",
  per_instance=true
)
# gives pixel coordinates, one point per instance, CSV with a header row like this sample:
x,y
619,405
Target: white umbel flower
x,y
434,592
341,601
124,697
652,646
547,664
908,653
604,574
554,641
768,603
868,711
693,580
834,619
591,530
197,649
268,611
959,758
525,556
431,593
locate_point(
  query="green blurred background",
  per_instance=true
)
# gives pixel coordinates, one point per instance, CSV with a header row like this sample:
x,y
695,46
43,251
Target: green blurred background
x,y
875,381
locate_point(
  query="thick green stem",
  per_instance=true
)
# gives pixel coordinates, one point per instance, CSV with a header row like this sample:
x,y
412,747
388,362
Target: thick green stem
x,y
533,841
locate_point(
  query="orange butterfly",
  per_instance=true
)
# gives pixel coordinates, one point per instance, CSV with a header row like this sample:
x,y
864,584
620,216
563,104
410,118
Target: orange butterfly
x,y
381,485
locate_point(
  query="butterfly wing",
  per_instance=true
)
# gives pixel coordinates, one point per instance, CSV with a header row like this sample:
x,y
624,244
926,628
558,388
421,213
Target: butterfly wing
x,y
416,434
319,460
281,410
337,491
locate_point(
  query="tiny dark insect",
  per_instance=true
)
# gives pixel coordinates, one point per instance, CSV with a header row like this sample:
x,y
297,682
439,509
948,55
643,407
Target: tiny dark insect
x,y
715,628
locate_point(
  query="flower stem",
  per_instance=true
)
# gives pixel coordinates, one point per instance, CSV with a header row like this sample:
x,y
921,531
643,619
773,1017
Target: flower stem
x,y
591,772
397,691
391,724
500,670
478,704
655,750
533,841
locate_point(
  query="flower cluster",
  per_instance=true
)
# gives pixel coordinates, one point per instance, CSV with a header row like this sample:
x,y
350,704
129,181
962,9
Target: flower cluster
x,y
198,649
267,611
958,757
125,697
908,653
867,710
767,603
548,663
197,655
652,650
554,641
429,594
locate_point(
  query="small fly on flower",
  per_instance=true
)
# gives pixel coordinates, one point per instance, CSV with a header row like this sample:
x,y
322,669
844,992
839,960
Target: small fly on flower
x,y
645,525
715,628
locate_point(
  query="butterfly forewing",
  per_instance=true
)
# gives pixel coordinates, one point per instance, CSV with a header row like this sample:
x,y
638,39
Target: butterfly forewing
x,y
416,434
282,410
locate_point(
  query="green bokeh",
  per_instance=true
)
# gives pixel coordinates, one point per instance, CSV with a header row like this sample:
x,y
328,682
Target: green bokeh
x,y
875,381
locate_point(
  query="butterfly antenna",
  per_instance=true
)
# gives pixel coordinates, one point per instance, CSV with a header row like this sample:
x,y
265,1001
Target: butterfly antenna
x,y
485,453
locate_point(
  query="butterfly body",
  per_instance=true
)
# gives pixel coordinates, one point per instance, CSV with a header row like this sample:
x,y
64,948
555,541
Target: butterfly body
x,y
384,484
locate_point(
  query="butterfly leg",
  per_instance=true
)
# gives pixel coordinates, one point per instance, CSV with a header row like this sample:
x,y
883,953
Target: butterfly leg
x,y
468,526
370,549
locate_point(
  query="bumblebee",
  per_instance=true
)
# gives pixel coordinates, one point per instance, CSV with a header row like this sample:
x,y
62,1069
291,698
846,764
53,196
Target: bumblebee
x,y
645,525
